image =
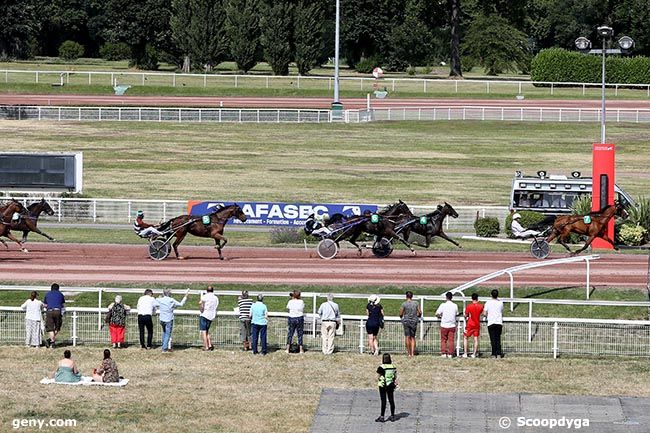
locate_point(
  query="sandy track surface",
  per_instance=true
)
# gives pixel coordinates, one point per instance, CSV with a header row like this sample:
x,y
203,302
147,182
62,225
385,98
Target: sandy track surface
x,y
296,102
98,263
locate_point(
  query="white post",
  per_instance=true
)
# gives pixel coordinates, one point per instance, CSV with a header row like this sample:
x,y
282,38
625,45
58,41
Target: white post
x,y
368,102
74,328
361,329
512,291
99,309
587,288
530,321
313,322
422,319
555,348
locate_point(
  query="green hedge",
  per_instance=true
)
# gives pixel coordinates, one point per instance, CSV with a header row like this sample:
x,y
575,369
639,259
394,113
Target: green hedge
x,y
559,65
487,227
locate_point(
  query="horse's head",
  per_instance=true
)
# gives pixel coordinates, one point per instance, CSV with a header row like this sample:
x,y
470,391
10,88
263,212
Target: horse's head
x,y
14,206
239,213
621,212
40,206
449,210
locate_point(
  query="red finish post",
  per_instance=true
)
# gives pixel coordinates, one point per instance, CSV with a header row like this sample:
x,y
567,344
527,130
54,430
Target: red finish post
x,y
602,189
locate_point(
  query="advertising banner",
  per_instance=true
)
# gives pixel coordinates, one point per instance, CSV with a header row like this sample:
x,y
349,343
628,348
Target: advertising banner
x,y
280,214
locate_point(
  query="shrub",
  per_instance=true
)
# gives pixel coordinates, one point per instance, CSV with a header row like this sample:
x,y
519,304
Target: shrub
x,y
582,205
411,70
528,218
71,50
115,51
632,234
559,65
640,213
365,66
285,235
487,227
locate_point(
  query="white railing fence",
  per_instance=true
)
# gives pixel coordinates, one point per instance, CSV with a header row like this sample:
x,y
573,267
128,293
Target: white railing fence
x,y
122,211
405,85
550,336
530,334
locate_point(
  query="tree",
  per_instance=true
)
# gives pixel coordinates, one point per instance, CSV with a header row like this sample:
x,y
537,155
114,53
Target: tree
x,y
198,28
308,34
63,20
243,30
496,45
454,63
411,42
18,26
276,35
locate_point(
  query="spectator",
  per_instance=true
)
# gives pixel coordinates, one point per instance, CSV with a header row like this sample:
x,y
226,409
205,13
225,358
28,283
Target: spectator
x,y
166,305
67,371
330,318
410,313
447,312
472,324
296,307
387,383
54,308
259,321
33,308
244,304
107,371
145,312
208,306
494,311
117,321
375,321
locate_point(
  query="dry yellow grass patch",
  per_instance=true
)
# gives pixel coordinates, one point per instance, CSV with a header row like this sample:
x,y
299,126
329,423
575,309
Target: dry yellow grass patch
x,y
190,390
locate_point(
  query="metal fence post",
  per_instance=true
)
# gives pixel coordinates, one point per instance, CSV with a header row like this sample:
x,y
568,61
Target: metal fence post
x,y
555,348
313,322
94,210
512,291
99,309
361,344
74,328
530,321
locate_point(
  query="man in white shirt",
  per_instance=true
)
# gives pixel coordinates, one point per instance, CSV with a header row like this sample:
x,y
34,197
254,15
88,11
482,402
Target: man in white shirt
x,y
145,312
208,306
518,230
296,322
330,317
493,309
447,313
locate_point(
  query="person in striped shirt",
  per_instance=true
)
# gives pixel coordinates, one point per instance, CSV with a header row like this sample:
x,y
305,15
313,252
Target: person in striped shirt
x,y
244,304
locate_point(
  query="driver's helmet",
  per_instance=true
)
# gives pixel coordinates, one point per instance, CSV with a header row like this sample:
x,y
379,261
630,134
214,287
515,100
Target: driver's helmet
x,y
140,214
516,216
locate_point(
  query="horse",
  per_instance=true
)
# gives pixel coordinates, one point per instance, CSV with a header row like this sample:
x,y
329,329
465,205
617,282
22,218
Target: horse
x,y
389,218
7,212
184,224
567,224
28,223
433,226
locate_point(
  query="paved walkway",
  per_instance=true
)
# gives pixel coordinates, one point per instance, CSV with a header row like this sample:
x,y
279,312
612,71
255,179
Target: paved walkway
x,y
354,411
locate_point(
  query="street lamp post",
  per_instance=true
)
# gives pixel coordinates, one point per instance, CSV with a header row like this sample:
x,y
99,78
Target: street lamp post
x,y
336,104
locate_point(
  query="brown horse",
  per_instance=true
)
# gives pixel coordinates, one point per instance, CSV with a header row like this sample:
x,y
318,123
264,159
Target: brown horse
x,y
29,222
212,228
7,212
567,224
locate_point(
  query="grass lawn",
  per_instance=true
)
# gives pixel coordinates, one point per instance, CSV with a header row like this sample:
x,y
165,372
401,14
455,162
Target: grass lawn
x,y
418,162
224,391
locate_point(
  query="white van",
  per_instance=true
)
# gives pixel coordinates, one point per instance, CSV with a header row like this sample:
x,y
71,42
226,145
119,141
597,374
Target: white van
x,y
553,194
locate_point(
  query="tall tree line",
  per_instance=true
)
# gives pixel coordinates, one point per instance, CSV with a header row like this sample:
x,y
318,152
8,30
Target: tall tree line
x,y
500,35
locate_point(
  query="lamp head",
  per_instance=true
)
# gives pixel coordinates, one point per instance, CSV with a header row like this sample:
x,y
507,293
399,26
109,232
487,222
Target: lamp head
x,y
605,31
583,44
626,43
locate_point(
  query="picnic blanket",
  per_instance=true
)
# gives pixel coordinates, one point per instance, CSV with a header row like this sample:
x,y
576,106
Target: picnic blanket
x,y
85,380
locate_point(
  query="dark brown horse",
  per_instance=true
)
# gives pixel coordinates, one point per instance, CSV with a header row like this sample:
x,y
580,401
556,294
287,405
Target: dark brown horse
x,y
208,226
384,226
433,225
7,212
29,222
592,225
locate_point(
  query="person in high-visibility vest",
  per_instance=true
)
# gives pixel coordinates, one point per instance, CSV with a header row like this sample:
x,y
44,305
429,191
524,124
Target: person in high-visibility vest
x,y
387,383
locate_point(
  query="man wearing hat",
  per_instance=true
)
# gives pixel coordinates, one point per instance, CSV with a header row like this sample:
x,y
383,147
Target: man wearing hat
x,y
143,229
518,231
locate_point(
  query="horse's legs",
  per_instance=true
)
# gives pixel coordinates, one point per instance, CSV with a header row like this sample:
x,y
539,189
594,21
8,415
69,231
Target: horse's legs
x,y
180,235
36,230
562,241
447,238
586,245
606,238
353,240
5,244
220,241
392,234
13,238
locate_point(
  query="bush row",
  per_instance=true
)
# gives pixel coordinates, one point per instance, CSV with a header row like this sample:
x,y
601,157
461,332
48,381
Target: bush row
x,y
559,65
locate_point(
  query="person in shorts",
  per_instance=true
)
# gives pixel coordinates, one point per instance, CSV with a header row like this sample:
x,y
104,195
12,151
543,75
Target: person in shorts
x,y
208,306
244,304
54,306
410,314
473,313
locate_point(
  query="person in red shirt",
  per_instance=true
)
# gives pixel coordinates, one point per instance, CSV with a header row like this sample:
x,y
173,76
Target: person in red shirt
x,y
472,324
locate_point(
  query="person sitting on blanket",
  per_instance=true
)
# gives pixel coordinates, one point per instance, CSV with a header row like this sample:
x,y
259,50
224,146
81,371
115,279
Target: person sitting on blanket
x,y
143,229
107,372
67,371
518,230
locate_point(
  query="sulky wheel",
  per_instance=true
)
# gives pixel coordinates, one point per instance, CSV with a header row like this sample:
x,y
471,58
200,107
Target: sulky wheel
x,y
327,249
159,249
540,249
382,248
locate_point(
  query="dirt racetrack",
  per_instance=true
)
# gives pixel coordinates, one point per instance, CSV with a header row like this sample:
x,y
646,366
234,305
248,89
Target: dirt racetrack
x,y
76,264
